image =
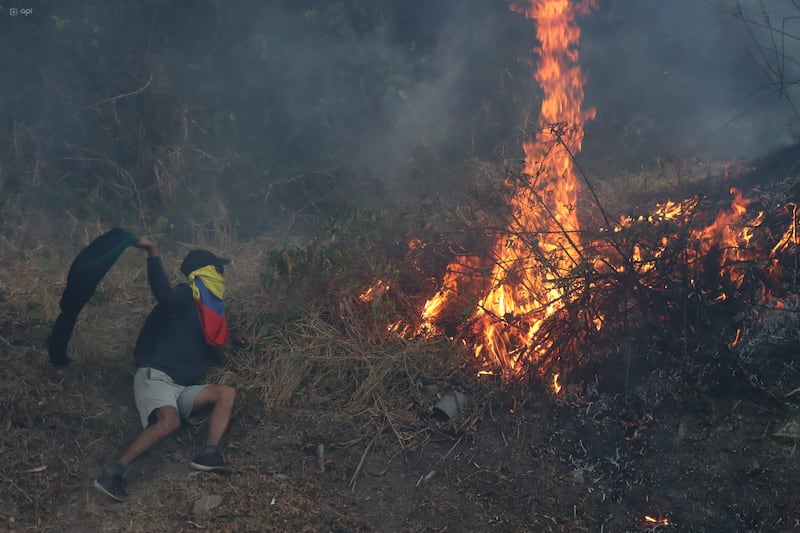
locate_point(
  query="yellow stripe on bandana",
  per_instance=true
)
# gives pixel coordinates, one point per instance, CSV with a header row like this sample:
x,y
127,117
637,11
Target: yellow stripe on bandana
x,y
212,279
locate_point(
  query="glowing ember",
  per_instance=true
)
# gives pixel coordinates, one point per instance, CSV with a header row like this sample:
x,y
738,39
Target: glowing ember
x,y
653,522
790,236
374,291
556,386
738,338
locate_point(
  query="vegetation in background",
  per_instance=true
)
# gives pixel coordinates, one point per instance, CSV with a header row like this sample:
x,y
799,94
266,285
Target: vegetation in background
x,y
192,118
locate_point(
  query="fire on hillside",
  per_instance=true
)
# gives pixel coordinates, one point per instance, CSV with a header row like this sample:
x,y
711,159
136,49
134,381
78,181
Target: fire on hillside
x,y
556,277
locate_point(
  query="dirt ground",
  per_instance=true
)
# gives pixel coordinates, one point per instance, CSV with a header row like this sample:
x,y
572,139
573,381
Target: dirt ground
x,y
584,460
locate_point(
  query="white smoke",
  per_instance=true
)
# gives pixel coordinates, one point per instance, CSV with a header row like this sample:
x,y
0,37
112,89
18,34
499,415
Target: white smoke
x,y
714,76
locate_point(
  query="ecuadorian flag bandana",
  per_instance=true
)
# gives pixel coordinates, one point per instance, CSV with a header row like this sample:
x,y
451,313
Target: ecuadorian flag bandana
x,y
208,289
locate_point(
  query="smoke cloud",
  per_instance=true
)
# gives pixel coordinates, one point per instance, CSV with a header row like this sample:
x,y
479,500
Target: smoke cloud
x,y
371,99
712,77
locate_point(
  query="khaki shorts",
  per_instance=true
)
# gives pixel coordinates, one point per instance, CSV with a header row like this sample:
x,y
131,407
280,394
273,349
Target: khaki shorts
x,y
153,389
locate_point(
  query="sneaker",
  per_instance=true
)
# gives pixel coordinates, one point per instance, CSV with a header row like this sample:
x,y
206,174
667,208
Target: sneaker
x,y
111,484
210,462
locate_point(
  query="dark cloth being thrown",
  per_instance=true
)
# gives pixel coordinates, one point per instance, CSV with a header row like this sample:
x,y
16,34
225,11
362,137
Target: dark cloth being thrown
x,y
88,268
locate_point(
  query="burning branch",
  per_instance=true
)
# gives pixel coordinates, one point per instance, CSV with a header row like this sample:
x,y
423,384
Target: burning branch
x,y
547,290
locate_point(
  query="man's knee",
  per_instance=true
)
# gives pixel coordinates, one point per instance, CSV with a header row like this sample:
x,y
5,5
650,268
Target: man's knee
x,y
167,419
214,396
227,395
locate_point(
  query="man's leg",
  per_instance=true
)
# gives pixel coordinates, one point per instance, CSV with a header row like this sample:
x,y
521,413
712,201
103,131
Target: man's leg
x,y
167,422
110,480
218,398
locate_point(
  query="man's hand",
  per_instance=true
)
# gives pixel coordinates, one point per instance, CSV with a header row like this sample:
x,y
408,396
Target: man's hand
x,y
146,244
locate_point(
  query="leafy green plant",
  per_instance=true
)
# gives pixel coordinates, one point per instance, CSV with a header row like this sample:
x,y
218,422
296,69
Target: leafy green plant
x,y
358,247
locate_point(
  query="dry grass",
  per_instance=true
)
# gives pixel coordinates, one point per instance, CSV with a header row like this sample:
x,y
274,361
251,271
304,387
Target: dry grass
x,y
666,180
325,365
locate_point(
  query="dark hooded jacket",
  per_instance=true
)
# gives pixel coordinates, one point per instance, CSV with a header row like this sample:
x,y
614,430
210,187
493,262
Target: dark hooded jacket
x,y
171,339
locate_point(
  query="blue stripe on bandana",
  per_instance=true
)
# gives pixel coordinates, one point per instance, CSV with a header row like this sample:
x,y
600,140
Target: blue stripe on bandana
x,y
208,300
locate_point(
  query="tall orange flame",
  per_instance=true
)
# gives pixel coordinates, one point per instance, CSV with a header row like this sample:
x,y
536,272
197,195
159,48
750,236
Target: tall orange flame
x,y
524,283
522,293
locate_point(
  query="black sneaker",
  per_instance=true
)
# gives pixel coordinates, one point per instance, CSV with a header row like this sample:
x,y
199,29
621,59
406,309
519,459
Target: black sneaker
x,y
111,484
210,462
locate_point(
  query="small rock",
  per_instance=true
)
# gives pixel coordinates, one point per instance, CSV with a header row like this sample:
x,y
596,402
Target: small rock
x,y
206,503
791,430
754,468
